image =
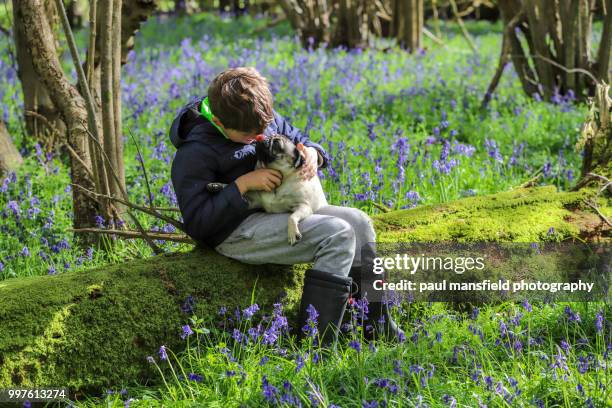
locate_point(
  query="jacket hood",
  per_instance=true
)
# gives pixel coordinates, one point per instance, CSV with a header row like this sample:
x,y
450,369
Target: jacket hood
x,y
187,118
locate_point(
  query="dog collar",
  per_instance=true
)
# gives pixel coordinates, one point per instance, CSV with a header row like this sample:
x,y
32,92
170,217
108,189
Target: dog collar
x,y
207,113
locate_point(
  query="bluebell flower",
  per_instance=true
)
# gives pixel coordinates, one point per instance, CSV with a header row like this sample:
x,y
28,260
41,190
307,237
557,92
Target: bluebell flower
x,y
355,344
99,220
14,207
186,331
527,306
195,377
269,391
162,353
250,311
599,321
583,365
299,363
310,328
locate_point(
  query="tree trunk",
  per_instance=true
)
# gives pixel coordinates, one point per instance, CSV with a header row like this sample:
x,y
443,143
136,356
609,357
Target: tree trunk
x,y
10,159
407,23
310,19
40,42
93,331
558,46
597,139
116,92
50,128
352,29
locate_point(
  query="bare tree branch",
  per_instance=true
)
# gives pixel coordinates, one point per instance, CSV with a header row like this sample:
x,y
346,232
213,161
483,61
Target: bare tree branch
x,y
146,210
157,235
464,30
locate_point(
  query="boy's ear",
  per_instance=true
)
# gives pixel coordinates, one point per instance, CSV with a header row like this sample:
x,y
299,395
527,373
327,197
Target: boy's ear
x,y
217,121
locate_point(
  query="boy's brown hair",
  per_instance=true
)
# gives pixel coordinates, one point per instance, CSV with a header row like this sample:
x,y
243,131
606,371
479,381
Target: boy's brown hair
x,y
241,99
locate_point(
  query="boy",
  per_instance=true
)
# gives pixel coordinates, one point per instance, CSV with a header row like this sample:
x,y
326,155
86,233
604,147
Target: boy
x,y
213,138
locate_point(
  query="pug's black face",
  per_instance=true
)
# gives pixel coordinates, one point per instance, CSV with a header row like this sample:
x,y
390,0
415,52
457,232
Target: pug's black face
x,y
278,151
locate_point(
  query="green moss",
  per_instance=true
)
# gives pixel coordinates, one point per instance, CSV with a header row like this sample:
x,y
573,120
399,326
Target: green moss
x,y
521,215
93,330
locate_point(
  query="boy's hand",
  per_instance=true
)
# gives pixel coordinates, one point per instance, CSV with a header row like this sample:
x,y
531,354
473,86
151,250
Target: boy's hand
x,y
311,158
260,179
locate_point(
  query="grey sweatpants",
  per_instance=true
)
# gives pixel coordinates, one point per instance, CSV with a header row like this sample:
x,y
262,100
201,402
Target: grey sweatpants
x,y
332,238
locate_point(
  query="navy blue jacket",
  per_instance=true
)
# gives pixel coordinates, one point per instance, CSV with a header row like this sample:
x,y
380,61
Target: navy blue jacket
x,y
204,156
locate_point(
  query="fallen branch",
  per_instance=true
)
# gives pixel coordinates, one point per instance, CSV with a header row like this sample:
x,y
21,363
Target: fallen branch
x,y
594,207
156,235
532,182
382,208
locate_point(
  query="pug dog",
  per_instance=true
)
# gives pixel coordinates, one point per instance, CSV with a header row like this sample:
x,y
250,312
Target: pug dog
x,y
299,197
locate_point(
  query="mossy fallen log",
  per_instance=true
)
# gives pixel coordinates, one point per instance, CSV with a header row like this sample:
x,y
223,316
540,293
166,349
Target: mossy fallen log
x,y
90,331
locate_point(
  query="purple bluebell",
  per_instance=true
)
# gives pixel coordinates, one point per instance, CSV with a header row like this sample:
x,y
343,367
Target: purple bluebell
x,y
162,353
527,305
583,365
195,377
355,344
270,392
250,311
186,332
310,328
599,321
99,220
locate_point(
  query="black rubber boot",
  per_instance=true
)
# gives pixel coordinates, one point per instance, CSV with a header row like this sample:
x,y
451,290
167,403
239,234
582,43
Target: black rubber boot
x,y
379,320
328,294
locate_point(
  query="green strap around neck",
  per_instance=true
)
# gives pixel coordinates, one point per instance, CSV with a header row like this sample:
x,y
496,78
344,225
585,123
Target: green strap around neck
x,y
207,113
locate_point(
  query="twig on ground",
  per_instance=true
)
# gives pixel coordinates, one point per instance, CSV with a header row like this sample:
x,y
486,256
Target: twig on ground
x,y
382,207
156,235
596,208
532,182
